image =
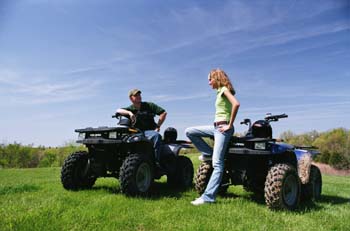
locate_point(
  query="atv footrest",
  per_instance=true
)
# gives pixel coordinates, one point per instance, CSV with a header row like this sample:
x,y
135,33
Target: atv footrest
x,y
99,141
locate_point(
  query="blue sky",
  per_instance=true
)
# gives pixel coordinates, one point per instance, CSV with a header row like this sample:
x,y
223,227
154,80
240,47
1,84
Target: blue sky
x,y
70,63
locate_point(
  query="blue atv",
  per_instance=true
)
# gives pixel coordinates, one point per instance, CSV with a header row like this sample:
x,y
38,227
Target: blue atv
x,y
282,173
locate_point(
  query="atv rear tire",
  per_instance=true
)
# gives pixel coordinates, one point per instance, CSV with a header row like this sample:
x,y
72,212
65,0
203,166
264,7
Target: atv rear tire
x,y
282,187
136,175
203,176
183,176
75,172
313,189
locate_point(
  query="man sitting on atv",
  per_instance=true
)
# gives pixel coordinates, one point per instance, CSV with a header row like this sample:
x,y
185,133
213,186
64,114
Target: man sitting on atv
x,y
142,117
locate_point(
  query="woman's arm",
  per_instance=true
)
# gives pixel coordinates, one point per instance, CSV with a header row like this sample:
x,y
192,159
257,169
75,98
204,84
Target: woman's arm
x,y
235,106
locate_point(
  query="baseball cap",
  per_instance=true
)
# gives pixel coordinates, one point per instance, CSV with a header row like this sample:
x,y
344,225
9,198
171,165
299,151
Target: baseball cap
x,y
134,92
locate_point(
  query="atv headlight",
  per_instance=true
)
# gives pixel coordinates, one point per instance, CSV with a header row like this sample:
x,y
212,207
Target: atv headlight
x,y
81,136
260,146
112,135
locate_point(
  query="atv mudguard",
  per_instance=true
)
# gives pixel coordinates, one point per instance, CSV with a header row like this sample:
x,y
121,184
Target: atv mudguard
x,y
304,157
173,148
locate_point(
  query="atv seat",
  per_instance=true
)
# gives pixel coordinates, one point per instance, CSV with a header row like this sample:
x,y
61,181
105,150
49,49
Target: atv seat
x,y
240,139
249,145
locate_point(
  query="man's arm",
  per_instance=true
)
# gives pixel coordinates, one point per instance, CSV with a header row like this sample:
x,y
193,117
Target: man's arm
x,y
161,120
125,112
160,112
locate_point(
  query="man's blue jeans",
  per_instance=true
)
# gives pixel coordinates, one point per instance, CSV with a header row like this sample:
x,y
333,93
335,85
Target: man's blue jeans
x,y
156,138
221,140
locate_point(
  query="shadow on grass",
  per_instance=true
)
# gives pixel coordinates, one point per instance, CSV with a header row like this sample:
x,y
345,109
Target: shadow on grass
x,y
304,205
18,189
157,191
335,200
311,206
108,189
254,197
162,189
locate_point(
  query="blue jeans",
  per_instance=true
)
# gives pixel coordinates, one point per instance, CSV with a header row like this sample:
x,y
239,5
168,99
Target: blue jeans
x,y
221,141
156,138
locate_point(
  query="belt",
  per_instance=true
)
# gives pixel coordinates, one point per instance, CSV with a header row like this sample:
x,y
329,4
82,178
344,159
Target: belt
x,y
220,123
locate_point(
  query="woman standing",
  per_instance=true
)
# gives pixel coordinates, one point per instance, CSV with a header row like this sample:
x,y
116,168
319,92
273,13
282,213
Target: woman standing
x,y
226,106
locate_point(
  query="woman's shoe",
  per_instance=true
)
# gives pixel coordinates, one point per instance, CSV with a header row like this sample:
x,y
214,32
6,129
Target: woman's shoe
x,y
205,158
200,201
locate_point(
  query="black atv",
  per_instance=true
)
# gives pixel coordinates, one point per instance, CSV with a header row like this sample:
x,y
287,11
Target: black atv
x,y
280,172
124,152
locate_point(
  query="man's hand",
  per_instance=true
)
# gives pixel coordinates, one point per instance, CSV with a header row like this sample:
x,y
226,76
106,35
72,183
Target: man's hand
x,y
132,117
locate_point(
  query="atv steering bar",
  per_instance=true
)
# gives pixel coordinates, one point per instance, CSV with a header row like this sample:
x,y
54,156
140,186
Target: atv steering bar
x,y
275,117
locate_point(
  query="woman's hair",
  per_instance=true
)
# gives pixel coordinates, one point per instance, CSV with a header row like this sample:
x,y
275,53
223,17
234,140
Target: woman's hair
x,y
221,79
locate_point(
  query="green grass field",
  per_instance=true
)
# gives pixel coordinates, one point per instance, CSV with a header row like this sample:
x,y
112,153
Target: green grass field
x,y
34,199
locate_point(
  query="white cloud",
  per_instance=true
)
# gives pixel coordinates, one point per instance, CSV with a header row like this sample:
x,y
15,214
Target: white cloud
x,y
25,89
229,24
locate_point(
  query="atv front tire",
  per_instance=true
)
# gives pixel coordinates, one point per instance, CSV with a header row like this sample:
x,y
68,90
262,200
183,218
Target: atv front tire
x,y
136,175
282,187
75,172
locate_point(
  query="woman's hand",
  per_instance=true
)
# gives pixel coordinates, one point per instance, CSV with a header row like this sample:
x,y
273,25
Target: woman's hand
x,y
224,128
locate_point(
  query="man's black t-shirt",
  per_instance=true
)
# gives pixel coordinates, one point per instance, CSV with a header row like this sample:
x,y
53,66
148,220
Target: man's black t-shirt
x,y
145,116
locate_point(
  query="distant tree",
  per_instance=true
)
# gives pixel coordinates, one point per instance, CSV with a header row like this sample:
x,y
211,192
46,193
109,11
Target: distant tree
x,y
347,150
287,136
305,139
49,157
11,154
24,156
3,159
35,157
334,148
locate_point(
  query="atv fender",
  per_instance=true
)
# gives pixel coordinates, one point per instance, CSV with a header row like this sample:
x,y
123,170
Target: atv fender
x,y
173,148
138,143
304,164
278,148
137,138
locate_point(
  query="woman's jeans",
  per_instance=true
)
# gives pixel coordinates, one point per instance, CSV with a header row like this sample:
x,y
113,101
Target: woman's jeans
x,y
221,141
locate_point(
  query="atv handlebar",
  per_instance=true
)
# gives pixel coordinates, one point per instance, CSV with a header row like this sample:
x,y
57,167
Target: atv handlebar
x,y
116,115
270,117
245,121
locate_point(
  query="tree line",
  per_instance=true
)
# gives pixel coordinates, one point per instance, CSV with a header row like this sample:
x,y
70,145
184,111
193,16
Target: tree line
x,y
17,155
334,147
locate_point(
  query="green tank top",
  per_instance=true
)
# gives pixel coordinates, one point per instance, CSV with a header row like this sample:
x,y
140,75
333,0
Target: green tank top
x,y
223,106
